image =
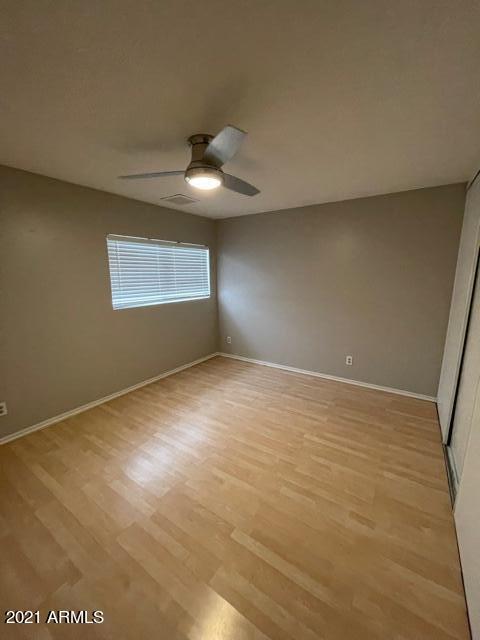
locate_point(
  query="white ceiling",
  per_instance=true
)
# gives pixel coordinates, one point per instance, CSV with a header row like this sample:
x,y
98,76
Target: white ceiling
x,y
341,98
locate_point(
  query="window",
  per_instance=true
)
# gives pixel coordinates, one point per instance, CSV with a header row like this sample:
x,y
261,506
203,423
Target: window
x,y
145,272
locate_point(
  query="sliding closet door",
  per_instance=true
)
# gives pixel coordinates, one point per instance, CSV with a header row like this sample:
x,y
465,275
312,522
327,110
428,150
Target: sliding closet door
x,y
461,299
468,383
465,435
467,519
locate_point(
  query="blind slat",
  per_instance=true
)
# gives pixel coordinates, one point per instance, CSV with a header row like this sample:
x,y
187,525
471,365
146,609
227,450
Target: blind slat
x,y
144,272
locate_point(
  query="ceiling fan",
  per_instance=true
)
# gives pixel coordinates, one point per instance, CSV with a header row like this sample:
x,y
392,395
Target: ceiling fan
x,y
209,154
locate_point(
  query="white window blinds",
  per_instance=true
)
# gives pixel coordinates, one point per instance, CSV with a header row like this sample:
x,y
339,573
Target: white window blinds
x,y
145,272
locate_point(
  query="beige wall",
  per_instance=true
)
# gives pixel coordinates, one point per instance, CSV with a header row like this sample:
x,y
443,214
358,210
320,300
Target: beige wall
x,y
370,277
303,287
61,344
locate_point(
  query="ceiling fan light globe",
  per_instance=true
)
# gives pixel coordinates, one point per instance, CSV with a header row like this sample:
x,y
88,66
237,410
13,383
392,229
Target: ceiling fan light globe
x,y
206,183
204,178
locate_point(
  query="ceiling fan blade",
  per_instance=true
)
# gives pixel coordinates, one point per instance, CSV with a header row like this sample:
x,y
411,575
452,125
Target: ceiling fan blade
x,y
155,174
239,186
224,145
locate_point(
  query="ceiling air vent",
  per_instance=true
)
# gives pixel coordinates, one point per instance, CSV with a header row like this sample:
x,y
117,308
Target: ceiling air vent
x,y
179,199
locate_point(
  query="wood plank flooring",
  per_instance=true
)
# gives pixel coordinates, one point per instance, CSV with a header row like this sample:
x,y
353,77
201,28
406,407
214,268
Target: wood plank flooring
x,y
234,502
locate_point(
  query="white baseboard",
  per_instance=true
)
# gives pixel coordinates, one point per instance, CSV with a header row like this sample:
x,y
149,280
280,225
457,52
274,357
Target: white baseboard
x,y
95,403
326,376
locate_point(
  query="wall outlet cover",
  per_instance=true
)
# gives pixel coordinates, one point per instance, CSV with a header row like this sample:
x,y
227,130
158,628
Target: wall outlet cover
x,y
229,340
3,409
349,360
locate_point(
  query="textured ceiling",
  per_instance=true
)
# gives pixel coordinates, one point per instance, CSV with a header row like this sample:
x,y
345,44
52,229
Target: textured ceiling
x,y
341,98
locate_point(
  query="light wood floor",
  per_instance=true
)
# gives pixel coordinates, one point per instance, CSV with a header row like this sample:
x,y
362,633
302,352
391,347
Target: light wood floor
x,y
232,502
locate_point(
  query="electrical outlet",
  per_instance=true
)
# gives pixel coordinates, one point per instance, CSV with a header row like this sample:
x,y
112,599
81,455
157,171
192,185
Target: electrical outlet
x,y
3,409
349,360
229,340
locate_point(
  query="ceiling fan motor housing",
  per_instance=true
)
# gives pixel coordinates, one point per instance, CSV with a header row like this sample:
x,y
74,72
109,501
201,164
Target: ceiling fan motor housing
x,y
209,154
198,165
